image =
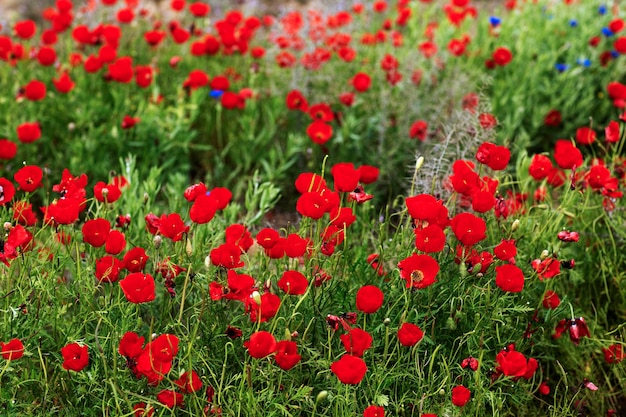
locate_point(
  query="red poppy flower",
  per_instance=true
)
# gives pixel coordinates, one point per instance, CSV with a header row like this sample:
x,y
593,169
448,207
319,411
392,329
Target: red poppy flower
x,y
170,398
125,15
419,271
172,226
311,204
189,382
64,83
135,260
552,118
199,9
369,299
419,130
345,176
177,5
509,278
115,243
267,238
25,29
361,82
261,344
75,357
63,211
35,90
287,354
319,132
427,208
551,300
12,350
28,132
460,395
612,132
409,334
511,362
577,329
23,213
468,228
429,239
29,178
374,411
295,100
502,56
309,182
349,369
540,167
203,209
296,246
8,149
96,232
121,70
356,341
506,250
613,354
293,283
106,193
487,120
138,288
266,309
108,269
546,268
227,255
566,155
368,174
494,156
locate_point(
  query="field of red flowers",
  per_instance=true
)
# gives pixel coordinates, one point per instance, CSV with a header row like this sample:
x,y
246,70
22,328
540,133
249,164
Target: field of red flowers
x,y
455,179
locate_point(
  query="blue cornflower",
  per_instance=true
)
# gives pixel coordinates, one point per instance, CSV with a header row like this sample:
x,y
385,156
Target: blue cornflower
x,y
573,23
602,9
584,62
494,21
561,67
607,32
614,54
215,93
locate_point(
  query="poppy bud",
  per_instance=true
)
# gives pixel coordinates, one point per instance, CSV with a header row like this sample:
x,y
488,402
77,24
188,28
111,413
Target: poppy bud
x,y
321,396
157,241
419,162
515,225
256,297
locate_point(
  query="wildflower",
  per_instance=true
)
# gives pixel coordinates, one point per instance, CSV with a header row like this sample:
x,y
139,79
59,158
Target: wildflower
x,y
261,344
12,350
409,334
356,341
96,232
138,287
460,395
470,362
418,130
189,382
551,300
509,278
349,369
28,178
293,283
28,132
75,357
577,329
502,56
374,411
468,228
566,155
170,398
287,354
419,271
345,176
614,353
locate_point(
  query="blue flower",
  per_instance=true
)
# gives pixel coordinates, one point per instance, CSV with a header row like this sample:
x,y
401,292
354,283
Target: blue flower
x,y
494,21
607,32
573,23
614,54
602,9
561,67
215,93
584,62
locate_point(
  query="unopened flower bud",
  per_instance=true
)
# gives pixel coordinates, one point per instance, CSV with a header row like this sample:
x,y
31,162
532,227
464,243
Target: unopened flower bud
x,y
515,225
321,396
71,126
146,198
157,240
207,261
386,321
7,226
419,162
256,297
544,254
